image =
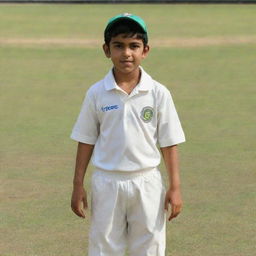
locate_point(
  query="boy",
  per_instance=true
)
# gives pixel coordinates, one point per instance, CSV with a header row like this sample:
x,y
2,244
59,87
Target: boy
x,y
123,118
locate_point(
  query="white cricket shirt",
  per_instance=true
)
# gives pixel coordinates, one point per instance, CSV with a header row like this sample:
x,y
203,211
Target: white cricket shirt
x,y
126,129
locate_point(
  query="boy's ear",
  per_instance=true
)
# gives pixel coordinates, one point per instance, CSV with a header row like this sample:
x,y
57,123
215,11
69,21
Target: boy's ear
x,y
106,50
146,51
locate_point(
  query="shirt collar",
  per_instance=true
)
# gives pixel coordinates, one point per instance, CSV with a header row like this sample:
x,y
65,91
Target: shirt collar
x,y
145,84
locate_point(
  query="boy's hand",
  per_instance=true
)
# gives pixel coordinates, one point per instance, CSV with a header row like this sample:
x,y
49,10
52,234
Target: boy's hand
x,y
79,201
173,197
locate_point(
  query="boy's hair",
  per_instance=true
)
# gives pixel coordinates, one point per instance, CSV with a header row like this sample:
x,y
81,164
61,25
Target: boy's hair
x,y
127,27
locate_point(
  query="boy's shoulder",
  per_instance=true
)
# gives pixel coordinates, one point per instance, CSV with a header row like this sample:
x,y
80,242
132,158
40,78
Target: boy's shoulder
x,y
96,89
102,86
159,89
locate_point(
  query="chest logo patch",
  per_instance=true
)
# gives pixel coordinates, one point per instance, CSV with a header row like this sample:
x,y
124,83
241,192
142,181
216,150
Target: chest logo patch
x,y
147,114
108,108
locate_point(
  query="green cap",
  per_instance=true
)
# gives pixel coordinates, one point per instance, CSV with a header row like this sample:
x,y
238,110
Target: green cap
x,y
126,16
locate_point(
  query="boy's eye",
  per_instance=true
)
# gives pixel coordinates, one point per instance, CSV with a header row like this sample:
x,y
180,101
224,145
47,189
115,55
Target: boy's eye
x,y
118,46
134,46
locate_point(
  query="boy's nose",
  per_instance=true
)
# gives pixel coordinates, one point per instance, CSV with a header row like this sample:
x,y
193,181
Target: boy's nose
x,y
126,52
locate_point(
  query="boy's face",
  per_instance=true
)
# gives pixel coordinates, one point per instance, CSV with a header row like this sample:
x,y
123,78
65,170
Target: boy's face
x,y
126,53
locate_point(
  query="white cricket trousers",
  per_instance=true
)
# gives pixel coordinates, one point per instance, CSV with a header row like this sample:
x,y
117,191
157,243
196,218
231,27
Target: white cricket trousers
x,y
127,212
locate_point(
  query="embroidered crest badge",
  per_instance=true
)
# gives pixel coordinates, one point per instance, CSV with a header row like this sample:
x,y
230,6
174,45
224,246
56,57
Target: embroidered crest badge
x,y
147,114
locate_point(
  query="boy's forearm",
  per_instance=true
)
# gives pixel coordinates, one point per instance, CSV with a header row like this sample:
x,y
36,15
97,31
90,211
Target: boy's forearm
x,y
173,194
170,155
84,153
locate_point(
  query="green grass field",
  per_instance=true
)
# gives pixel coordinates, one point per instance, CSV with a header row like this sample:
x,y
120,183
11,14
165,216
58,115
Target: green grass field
x,y
42,88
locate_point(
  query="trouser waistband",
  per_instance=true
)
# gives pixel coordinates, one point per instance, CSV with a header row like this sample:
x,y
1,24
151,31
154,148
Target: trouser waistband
x,y
124,175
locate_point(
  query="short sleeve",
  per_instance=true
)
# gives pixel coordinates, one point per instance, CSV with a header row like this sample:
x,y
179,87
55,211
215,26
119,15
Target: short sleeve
x,y
169,129
86,128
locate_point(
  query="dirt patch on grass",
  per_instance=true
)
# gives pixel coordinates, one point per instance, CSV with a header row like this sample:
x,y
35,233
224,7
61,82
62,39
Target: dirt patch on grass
x,y
65,42
95,43
203,41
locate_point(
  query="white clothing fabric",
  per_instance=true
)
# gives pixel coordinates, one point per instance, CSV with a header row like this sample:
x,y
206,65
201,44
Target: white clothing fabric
x,y
127,128
127,212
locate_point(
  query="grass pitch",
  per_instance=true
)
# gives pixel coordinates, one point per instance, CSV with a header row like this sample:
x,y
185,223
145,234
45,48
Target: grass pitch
x,y
42,88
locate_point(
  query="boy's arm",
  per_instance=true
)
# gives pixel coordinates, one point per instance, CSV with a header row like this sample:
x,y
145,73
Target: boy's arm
x,y
79,200
173,194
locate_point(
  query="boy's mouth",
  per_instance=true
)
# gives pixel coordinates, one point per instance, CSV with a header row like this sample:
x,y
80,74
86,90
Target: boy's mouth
x,y
126,61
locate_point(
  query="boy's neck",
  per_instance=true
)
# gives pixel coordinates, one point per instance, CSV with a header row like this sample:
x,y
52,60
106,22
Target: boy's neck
x,y
127,81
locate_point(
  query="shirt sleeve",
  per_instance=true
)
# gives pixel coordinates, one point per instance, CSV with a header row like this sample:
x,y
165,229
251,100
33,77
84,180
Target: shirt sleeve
x,y
86,128
170,131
